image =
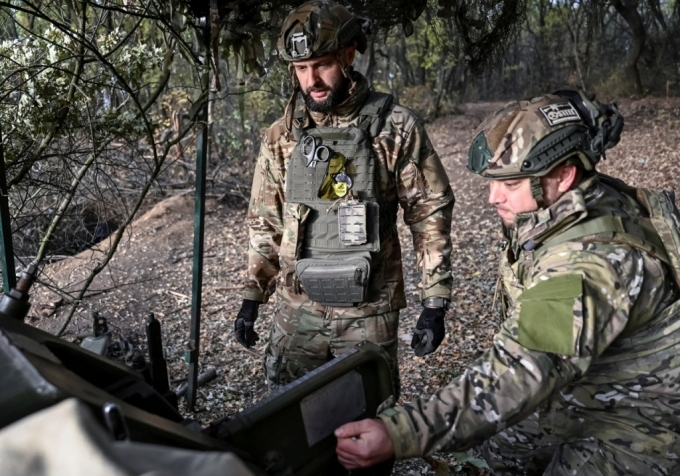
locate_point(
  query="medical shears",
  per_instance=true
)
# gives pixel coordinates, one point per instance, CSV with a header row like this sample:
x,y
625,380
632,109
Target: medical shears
x,y
313,152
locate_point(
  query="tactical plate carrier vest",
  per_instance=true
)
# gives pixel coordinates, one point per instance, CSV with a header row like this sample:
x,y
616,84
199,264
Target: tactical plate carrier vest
x,y
658,234
336,237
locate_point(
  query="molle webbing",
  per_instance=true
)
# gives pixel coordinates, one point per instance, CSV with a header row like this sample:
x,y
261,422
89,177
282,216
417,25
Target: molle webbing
x,y
322,231
639,233
302,182
355,143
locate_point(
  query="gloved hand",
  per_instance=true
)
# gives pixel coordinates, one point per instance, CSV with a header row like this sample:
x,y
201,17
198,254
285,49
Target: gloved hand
x,y
429,331
244,327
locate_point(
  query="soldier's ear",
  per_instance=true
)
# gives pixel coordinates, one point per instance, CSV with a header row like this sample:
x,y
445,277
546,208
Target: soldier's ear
x,y
568,177
350,54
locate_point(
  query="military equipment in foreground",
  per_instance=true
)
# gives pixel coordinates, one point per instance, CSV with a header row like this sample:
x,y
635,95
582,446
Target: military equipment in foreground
x,y
288,433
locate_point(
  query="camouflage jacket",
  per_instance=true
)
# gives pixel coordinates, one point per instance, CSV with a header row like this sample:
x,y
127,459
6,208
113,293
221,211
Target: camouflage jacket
x,y
592,330
410,174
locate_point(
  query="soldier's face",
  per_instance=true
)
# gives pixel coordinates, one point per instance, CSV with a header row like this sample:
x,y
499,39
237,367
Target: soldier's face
x,y
511,197
321,80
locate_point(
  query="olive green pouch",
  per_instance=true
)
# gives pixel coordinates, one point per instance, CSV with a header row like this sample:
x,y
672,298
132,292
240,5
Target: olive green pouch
x,y
546,316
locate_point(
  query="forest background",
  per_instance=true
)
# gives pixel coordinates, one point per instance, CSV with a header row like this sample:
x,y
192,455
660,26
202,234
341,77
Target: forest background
x,y
99,100
100,111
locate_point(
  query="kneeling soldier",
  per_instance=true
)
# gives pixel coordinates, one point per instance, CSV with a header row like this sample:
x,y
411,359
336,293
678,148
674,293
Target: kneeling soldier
x,y
583,376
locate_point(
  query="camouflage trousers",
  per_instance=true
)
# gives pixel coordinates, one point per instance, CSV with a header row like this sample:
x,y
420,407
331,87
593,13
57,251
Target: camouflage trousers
x,y
305,338
544,444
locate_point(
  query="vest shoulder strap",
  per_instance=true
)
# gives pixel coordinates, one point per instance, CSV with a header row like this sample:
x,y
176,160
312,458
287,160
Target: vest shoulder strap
x,y
373,113
638,233
663,217
299,116
658,235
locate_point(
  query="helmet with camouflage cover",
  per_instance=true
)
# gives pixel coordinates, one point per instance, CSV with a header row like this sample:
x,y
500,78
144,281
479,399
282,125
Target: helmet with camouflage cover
x,y
319,27
529,138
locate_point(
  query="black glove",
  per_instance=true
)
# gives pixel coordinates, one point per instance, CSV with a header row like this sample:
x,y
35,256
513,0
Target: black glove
x,y
244,327
429,331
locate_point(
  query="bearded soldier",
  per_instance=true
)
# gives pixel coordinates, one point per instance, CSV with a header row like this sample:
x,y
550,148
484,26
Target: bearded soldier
x,y
322,215
583,376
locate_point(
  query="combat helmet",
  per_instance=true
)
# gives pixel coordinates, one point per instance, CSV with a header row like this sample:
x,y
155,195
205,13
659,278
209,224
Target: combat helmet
x,y
314,29
319,27
530,138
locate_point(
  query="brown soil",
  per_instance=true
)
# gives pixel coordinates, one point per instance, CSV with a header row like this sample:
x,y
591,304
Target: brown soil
x,y
152,269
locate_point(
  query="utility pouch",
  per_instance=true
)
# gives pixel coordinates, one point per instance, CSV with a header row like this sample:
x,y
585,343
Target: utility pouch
x,y
336,280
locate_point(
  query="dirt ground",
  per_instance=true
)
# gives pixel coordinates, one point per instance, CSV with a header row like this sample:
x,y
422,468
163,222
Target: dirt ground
x,y
152,270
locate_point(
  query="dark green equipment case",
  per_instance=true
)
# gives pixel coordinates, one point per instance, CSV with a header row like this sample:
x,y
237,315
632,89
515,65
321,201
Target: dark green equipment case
x,y
290,432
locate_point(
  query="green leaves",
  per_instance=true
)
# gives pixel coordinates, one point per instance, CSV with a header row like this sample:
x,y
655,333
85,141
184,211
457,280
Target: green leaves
x,y
40,72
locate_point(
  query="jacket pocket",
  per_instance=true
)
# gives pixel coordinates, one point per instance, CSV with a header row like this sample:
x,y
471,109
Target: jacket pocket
x,y
294,217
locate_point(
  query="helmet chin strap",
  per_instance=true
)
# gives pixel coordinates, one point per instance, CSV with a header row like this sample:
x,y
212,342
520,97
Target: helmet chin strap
x,y
290,107
537,191
346,69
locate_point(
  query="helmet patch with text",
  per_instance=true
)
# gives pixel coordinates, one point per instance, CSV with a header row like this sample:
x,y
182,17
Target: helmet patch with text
x,y
559,113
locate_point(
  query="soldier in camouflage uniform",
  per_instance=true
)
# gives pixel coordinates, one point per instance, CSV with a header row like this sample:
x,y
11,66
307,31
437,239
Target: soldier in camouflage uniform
x,y
319,40
583,376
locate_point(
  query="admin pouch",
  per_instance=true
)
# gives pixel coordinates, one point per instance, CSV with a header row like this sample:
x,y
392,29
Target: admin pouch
x,y
337,240
352,227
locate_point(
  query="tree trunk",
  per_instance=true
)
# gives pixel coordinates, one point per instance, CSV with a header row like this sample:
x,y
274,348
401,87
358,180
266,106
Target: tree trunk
x,y
446,77
628,10
390,77
421,72
403,64
576,19
365,64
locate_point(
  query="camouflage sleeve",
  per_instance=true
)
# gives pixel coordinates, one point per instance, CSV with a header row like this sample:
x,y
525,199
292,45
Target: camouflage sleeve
x,y
265,224
576,304
427,199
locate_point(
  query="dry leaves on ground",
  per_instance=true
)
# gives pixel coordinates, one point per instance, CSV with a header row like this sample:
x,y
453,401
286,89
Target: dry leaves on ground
x,y
152,272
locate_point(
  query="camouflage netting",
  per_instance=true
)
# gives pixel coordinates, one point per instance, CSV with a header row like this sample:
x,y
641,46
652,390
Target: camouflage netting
x,y
384,15
484,26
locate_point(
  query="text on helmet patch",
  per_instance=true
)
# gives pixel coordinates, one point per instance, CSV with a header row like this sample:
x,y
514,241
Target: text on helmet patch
x,y
559,113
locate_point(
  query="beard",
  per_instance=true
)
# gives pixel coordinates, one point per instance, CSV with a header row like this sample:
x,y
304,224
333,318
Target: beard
x,y
337,95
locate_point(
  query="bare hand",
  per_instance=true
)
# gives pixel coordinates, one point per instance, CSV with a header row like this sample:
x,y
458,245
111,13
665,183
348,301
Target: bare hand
x,y
363,443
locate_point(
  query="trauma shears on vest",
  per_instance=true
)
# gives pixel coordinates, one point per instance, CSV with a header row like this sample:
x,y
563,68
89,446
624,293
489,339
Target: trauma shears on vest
x,y
314,152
